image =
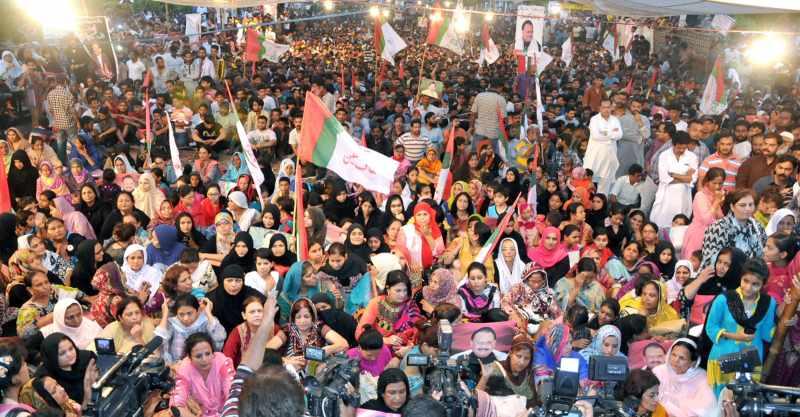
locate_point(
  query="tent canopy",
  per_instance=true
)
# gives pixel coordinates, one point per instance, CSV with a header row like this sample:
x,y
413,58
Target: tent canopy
x,y
225,4
653,8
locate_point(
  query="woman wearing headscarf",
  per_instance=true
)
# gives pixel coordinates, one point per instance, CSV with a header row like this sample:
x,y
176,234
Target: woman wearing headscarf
x,y
64,361
665,258
37,311
509,265
70,320
513,183
40,151
597,211
228,298
683,272
393,393
43,393
236,167
280,255
11,71
551,255
375,241
95,209
531,301
210,206
684,389
242,253
394,314
517,370
367,213
421,242
138,274
74,221
356,242
606,342
108,281
304,330
240,210
16,141
221,241
339,205
695,298
90,256
164,249
188,233
442,288
782,221
126,175
165,214
21,176
49,179
650,300
147,196
77,176
204,376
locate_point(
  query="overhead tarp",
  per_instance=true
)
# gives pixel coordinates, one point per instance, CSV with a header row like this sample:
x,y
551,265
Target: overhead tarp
x,y
226,4
653,8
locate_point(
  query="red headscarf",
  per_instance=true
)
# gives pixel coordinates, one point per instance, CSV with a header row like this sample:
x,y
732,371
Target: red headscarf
x,y
548,257
423,206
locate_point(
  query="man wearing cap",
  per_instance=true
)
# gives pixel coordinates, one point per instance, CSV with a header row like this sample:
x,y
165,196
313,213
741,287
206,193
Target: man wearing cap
x,y
425,104
486,110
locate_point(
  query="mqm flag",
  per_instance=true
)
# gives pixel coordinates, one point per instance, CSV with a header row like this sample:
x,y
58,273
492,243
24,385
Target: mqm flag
x,y
247,149
299,215
629,87
174,155
489,51
611,44
325,143
488,247
442,33
566,51
387,42
259,47
715,96
445,178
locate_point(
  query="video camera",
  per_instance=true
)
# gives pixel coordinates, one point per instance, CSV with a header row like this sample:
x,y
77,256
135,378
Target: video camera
x,y
754,399
123,389
442,374
331,384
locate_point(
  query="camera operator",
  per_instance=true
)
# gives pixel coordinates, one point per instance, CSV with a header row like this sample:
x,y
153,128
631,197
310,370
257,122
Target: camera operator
x,y
393,392
640,393
429,347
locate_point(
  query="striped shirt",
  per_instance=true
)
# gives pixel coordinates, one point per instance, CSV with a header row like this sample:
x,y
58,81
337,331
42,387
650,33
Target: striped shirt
x,y
730,165
415,146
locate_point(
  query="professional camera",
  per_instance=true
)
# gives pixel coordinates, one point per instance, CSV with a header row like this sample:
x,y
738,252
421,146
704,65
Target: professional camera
x,y
331,384
754,399
443,375
123,389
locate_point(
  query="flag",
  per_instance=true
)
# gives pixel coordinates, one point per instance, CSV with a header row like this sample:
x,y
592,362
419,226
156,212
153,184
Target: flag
x,y
566,51
445,179
299,215
387,42
715,95
629,87
522,64
259,47
174,155
539,107
653,78
5,194
628,57
401,71
247,149
488,247
442,33
363,137
542,60
325,143
610,44
489,51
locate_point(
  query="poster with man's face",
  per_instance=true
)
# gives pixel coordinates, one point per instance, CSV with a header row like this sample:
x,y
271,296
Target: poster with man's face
x,y
530,30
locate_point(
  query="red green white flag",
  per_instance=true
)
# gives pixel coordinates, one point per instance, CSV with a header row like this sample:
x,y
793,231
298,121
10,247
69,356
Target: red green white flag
x,y
387,42
325,143
489,51
715,95
445,178
259,47
442,33
300,216
488,247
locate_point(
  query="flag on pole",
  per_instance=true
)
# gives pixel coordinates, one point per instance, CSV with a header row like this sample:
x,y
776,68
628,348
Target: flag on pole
x,y
502,137
442,33
522,64
387,42
299,213
174,155
247,149
5,193
539,107
401,71
629,87
715,95
445,179
259,47
611,44
489,51
325,143
566,51
543,59
488,247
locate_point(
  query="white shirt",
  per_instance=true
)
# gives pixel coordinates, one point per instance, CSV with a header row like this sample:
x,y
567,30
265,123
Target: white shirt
x,y
135,69
206,68
742,150
262,137
253,280
605,130
174,64
626,193
269,103
500,356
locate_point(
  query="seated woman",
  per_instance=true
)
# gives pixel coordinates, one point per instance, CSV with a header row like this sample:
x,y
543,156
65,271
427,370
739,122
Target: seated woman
x,y
606,342
38,311
302,331
393,393
509,265
132,327
684,389
188,319
15,374
227,300
608,314
516,369
50,179
442,288
220,242
140,277
479,299
373,357
241,336
302,280
177,281
740,319
164,249
346,275
553,345
420,242
73,368
69,320
581,287
531,301
203,379
649,300
44,392
394,314
282,258
643,385
108,280
206,166
551,255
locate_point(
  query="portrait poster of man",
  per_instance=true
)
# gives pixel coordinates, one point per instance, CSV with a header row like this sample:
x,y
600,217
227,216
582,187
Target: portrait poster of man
x,y
95,36
530,30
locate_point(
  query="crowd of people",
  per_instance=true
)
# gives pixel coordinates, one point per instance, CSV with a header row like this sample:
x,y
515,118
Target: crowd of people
x,y
638,227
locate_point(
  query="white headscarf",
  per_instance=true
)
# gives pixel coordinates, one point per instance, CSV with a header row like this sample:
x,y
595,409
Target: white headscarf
x,y
687,394
129,169
507,278
135,279
772,226
10,71
148,201
673,286
282,173
83,335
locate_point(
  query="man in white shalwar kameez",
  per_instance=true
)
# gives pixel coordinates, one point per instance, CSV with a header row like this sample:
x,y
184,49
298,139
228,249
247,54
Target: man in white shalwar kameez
x,y
677,173
601,154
